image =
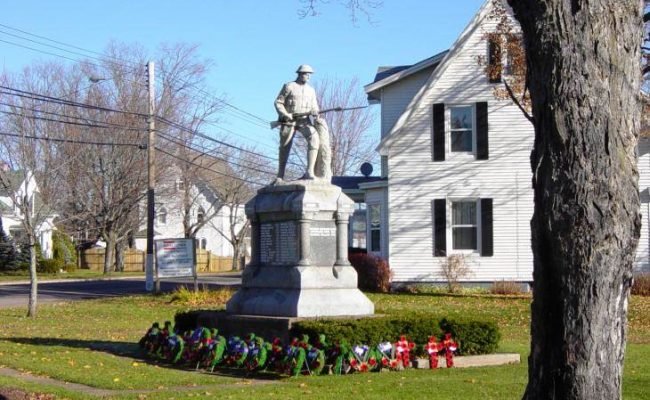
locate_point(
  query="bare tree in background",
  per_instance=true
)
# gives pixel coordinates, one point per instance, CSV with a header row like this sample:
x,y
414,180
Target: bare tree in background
x,y
30,162
100,189
351,141
248,172
311,8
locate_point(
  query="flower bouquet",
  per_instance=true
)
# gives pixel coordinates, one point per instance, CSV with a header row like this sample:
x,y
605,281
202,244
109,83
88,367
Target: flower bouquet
x,y
363,359
237,352
294,358
258,351
450,347
386,355
403,348
337,356
432,347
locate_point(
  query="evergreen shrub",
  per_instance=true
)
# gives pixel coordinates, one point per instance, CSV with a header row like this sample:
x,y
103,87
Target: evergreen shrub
x,y
63,249
373,272
473,336
49,266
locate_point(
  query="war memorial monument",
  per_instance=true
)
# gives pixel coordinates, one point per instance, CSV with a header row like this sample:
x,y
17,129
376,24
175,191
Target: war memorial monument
x,y
299,229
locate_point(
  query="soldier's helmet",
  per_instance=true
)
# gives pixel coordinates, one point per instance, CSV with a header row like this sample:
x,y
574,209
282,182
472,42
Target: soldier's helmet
x,y
305,68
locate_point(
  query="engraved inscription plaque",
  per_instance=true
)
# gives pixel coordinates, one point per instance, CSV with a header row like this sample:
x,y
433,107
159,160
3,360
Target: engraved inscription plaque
x,y
322,236
279,243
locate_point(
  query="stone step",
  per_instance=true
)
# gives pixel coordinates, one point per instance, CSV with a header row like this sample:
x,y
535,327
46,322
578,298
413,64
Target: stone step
x,y
473,361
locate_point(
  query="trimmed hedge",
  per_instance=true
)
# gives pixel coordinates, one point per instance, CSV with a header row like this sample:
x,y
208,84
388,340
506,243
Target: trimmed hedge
x,y
473,336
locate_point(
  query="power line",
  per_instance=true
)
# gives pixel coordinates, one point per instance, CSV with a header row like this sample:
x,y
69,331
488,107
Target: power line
x,y
203,153
66,122
139,146
199,134
104,123
209,169
61,43
56,100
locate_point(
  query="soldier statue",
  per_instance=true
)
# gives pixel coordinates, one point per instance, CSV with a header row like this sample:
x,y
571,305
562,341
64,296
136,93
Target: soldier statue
x,y
298,110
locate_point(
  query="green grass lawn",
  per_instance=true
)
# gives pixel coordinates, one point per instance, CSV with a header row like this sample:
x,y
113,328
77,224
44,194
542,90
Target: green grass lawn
x,y
95,343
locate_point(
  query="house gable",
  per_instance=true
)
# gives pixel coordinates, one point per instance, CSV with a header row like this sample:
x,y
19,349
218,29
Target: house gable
x,y
458,54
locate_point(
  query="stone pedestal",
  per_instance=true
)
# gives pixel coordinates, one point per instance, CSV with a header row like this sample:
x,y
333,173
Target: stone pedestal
x,y
299,263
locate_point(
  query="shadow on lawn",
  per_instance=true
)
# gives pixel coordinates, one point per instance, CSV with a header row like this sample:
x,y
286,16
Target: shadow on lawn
x,y
133,350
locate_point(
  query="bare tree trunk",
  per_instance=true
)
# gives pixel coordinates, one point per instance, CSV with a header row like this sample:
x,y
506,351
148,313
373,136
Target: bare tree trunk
x,y
119,255
583,66
33,278
109,253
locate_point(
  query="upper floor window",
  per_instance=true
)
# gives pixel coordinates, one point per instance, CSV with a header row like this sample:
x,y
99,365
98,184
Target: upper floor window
x,y
461,129
180,185
200,215
161,217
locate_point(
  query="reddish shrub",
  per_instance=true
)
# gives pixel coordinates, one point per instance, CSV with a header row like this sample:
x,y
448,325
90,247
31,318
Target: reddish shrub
x,y
373,272
641,285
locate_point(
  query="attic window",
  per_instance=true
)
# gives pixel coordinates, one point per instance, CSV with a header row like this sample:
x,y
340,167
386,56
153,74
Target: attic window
x,y
180,185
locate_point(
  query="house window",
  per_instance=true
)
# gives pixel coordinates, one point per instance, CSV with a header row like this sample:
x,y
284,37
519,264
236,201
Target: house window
x,y
461,129
161,218
200,215
358,226
374,213
204,243
464,225
180,185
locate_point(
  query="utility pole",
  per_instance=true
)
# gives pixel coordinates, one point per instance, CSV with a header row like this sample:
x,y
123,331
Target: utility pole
x,y
151,181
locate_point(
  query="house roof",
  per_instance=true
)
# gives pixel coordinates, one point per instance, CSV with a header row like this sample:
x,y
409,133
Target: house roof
x,y
353,182
388,75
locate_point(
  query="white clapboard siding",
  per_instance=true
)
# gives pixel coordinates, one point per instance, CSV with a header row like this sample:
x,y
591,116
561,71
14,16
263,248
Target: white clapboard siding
x,y
415,180
642,262
395,98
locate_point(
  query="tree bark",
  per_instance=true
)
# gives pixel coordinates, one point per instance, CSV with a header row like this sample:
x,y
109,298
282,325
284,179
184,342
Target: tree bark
x,y
119,255
109,253
583,70
33,278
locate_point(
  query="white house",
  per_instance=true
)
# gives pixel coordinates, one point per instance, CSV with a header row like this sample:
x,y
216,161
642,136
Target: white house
x,y
13,186
456,175
206,207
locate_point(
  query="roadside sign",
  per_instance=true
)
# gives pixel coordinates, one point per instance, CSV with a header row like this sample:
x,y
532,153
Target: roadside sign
x,y
175,258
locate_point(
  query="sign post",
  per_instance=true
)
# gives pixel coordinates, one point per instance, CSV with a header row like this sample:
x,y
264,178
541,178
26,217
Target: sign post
x,y
176,258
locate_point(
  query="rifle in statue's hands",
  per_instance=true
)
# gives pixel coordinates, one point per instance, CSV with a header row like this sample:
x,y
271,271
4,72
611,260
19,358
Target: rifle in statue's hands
x,y
296,116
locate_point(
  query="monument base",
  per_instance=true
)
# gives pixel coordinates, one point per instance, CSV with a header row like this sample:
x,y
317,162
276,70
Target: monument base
x,y
299,267
240,325
300,302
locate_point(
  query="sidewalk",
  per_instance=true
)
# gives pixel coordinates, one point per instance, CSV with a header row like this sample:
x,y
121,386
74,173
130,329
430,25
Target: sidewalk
x,y
229,274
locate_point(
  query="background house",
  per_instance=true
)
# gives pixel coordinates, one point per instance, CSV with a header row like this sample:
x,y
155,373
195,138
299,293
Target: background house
x,y
211,216
14,185
455,168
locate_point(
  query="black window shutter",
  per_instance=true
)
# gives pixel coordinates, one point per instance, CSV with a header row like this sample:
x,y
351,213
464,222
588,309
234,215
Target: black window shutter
x,y
482,152
440,227
487,238
494,58
438,132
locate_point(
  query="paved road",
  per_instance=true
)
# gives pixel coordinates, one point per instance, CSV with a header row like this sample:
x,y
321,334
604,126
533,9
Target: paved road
x,y
16,295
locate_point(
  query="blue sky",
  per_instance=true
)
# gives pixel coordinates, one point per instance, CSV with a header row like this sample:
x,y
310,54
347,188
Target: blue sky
x,y
256,45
